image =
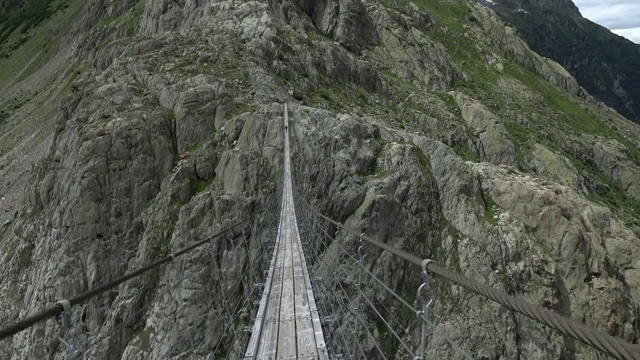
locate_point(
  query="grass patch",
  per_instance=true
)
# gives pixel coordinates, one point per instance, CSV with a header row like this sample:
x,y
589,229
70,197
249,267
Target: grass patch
x,y
200,185
242,108
425,164
506,281
381,141
29,17
110,20
34,48
521,138
489,209
386,73
143,341
136,13
450,101
4,115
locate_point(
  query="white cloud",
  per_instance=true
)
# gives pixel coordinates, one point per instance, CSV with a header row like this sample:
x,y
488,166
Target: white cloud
x,y
620,16
631,34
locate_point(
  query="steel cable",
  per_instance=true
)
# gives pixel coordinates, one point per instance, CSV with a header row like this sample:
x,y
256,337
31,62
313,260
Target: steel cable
x,y
451,342
348,310
609,344
57,309
184,275
402,342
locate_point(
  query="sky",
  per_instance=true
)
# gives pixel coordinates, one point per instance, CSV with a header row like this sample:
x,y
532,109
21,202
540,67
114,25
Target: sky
x,y
620,16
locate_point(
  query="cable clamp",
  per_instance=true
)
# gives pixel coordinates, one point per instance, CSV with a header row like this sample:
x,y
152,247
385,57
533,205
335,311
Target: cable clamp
x,y
66,312
425,265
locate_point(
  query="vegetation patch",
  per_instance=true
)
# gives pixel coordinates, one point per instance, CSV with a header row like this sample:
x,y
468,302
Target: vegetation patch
x,y
425,163
489,209
381,141
30,16
506,281
450,101
143,341
242,108
4,115
200,185
37,44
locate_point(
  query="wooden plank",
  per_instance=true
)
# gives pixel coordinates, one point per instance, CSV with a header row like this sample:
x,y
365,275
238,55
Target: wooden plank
x,y
304,325
287,331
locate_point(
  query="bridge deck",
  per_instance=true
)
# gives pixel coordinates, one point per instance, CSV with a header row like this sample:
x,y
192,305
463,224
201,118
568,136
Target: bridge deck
x,y
287,325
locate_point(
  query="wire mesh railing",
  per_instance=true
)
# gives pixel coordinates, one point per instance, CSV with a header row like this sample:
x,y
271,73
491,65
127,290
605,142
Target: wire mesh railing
x,y
339,280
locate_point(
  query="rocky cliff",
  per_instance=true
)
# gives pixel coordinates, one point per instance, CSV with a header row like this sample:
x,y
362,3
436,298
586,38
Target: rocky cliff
x,y
605,64
428,125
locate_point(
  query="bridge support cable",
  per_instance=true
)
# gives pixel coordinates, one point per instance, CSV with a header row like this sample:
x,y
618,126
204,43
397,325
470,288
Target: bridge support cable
x,y
381,318
420,314
334,309
611,345
228,314
310,236
57,309
317,240
83,337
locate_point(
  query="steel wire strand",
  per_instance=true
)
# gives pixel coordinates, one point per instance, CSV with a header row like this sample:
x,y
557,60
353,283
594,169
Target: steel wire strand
x,y
373,307
58,308
360,265
311,222
609,344
230,323
395,320
331,302
353,333
595,338
222,310
386,310
178,283
314,251
355,316
247,299
89,350
344,307
451,342
323,304
406,347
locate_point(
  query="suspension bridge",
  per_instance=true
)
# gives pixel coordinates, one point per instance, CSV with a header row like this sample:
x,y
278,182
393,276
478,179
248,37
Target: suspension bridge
x,y
298,312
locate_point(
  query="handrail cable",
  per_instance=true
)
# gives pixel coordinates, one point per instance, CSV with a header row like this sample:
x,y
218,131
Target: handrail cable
x,y
402,342
609,344
304,232
89,349
58,308
231,323
451,342
308,230
169,289
349,310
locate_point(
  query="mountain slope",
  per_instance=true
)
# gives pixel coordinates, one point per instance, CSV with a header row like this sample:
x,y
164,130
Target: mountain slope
x,y
605,64
428,125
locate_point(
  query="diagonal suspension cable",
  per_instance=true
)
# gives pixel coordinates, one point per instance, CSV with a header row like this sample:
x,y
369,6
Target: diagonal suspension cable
x,y
356,317
451,342
58,308
178,283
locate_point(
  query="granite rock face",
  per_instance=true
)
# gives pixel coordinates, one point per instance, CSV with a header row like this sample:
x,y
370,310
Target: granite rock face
x,y
492,162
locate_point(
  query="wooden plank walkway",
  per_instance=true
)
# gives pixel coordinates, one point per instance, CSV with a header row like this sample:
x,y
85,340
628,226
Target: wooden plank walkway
x,y
287,325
